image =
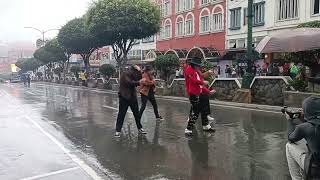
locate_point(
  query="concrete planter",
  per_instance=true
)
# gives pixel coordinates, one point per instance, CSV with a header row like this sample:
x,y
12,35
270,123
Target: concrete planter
x,y
75,83
115,87
92,83
160,91
68,82
295,99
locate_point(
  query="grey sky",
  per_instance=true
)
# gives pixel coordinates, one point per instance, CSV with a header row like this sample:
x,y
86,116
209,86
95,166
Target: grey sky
x,y
42,14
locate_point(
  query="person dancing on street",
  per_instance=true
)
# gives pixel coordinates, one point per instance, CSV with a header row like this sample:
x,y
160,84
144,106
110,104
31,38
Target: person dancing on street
x,y
129,80
205,98
195,86
147,91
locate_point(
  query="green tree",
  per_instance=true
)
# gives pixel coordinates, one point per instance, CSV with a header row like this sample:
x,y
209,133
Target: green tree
x,y
120,22
76,38
75,70
167,64
311,24
28,64
107,70
52,53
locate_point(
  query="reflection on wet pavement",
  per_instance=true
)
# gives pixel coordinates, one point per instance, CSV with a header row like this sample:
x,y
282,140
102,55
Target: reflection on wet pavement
x,y
246,145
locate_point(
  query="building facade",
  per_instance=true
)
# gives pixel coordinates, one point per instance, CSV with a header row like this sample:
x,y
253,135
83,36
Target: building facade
x,y
192,28
269,17
140,52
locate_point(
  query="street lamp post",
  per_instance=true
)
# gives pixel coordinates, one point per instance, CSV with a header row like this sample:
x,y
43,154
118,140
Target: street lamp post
x,y
42,32
248,77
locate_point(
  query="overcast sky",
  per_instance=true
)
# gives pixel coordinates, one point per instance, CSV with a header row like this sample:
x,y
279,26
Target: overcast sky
x,y
42,14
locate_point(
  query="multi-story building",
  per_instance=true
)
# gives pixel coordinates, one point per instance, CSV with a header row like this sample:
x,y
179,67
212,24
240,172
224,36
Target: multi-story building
x,y
192,28
269,17
140,52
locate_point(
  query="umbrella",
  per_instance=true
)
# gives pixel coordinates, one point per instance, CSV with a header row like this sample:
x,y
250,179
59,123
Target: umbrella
x,y
294,40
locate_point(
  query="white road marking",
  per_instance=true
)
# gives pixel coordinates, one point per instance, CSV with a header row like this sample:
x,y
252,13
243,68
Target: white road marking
x,y
51,173
113,108
77,160
73,157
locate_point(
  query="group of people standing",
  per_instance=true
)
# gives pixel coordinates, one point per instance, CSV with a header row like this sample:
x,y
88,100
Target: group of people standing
x,y
197,88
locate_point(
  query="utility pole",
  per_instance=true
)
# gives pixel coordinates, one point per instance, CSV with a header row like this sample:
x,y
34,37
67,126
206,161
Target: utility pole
x,y
248,77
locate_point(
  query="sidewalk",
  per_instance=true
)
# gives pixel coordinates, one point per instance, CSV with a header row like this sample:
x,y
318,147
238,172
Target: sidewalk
x,y
28,151
258,107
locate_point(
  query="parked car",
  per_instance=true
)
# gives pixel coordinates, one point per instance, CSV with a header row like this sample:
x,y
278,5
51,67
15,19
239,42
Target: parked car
x,y
15,80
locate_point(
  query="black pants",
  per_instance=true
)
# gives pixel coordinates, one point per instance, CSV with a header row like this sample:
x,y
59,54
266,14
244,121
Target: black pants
x,y
199,104
152,99
124,104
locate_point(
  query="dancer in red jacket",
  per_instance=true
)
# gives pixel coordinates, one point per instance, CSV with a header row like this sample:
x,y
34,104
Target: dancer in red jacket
x,y
195,86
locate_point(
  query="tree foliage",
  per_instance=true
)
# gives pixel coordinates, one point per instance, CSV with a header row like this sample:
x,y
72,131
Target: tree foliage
x,y
311,24
76,39
50,53
107,70
28,64
167,64
120,22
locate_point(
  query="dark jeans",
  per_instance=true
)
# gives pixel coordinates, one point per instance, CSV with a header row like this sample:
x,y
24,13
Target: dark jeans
x,y
198,104
124,104
205,105
152,99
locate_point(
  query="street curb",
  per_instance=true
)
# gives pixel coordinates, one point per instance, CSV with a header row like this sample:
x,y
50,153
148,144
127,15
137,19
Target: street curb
x,y
184,99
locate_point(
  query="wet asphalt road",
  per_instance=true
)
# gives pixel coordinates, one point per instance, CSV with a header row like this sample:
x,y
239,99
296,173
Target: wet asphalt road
x,y
248,144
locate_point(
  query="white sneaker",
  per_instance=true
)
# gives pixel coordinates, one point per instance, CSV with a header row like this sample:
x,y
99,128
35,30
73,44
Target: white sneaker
x,y
188,132
210,118
208,128
142,131
160,118
117,134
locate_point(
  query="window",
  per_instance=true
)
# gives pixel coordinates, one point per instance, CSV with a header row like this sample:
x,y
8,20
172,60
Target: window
x,y
245,16
148,39
232,43
179,27
204,2
258,14
189,27
315,7
241,43
189,24
167,30
288,9
204,26
180,5
217,22
189,4
235,18
166,8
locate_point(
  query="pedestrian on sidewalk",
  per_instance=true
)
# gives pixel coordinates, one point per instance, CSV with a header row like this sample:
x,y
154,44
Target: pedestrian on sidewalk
x,y
194,85
83,78
147,91
303,148
28,79
129,80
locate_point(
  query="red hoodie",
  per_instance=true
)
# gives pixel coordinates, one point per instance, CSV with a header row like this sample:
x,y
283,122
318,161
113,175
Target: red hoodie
x,y
192,82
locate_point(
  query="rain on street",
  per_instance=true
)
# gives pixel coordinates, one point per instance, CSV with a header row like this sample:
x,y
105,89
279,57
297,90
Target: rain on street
x,y
248,144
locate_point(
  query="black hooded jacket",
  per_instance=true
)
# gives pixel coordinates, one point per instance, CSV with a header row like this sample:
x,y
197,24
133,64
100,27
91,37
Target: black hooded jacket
x,y
309,130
